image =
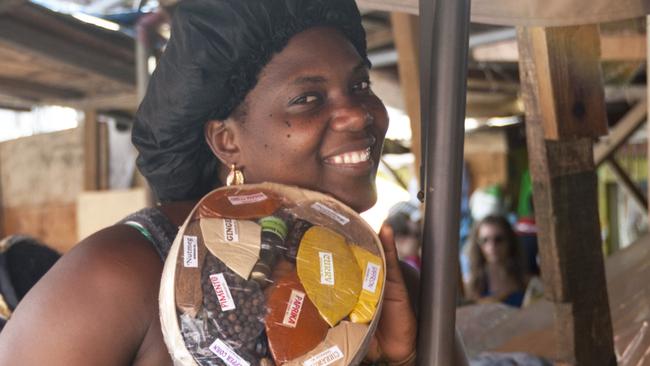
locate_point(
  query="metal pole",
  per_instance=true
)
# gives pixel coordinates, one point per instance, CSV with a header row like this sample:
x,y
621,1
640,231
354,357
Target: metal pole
x,y
444,27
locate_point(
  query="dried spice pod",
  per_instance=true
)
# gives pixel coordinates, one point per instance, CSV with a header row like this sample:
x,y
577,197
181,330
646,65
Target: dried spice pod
x,y
293,324
239,203
235,307
188,291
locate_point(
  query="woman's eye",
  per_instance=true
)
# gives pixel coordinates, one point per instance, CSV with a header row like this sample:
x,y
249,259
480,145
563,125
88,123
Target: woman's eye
x,y
305,99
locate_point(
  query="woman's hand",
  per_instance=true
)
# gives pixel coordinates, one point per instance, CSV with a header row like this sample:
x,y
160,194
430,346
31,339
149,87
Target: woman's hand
x,y
394,340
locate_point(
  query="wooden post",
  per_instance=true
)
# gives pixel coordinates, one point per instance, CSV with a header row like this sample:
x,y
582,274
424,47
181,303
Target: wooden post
x,y
563,94
91,151
406,34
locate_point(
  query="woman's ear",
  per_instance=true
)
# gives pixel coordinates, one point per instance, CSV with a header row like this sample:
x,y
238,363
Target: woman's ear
x,y
221,137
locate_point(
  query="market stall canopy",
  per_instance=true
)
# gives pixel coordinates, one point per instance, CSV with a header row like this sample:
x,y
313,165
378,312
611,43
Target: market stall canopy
x,y
533,12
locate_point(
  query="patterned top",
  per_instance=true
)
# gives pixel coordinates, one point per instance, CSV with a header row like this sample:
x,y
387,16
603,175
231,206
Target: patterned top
x,y
155,226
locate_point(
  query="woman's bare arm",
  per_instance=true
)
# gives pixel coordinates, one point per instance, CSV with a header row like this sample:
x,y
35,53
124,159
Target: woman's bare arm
x,y
97,306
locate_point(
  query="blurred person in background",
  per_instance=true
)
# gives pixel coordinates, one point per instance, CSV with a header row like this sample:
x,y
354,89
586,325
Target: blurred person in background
x,y
497,266
23,261
404,219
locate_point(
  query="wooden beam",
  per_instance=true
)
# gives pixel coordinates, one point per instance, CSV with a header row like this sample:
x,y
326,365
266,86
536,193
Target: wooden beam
x,y
103,157
402,6
569,57
127,101
565,191
111,44
406,33
613,48
7,5
627,183
31,40
91,151
29,90
378,34
621,132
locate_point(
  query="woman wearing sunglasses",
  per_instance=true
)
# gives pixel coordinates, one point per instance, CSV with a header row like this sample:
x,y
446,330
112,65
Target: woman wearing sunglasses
x,y
497,272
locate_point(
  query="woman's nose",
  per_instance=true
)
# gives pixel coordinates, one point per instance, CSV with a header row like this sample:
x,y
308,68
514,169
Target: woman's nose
x,y
350,116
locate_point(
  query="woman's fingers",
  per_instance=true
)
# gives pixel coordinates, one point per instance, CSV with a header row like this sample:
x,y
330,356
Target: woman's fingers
x,y
395,335
393,272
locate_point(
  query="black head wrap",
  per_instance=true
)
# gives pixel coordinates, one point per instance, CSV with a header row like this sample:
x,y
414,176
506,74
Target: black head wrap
x,y
216,52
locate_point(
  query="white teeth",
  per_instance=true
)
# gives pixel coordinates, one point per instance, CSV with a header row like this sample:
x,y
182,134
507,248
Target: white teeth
x,y
352,157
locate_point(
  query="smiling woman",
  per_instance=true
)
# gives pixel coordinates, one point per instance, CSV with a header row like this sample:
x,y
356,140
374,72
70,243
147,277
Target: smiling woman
x,y
323,126
280,90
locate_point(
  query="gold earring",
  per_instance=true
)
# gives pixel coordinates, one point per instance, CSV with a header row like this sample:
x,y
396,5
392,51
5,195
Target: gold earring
x,y
235,176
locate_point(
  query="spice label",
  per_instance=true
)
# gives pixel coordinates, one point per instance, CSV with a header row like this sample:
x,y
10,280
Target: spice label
x,y
190,251
330,213
247,199
326,268
223,292
231,230
296,300
227,354
327,357
371,277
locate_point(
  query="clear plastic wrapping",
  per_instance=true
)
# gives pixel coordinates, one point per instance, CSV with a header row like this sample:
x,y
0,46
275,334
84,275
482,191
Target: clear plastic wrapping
x,y
270,275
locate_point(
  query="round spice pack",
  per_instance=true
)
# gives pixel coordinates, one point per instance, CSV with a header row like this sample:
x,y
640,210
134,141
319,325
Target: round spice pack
x,y
269,274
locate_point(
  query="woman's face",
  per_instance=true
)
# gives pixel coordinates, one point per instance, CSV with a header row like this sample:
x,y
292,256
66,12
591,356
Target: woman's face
x,y
492,241
312,121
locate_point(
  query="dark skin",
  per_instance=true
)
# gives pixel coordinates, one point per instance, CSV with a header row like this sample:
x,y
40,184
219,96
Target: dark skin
x,y
98,305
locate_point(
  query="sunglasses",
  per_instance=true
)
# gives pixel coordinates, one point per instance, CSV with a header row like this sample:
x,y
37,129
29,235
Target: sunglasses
x,y
497,239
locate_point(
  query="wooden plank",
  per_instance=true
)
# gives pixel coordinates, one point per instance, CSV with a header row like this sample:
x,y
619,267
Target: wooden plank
x,y
109,43
627,183
31,40
623,129
406,33
614,47
402,6
7,5
26,89
103,157
91,151
565,57
17,64
127,101
565,193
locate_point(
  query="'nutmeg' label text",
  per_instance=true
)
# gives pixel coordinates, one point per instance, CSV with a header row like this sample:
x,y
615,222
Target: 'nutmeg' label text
x,y
291,315
227,354
190,251
326,268
327,357
222,290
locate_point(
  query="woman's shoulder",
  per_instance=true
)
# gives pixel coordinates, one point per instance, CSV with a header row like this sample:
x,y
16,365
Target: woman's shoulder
x,y
106,285
118,253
